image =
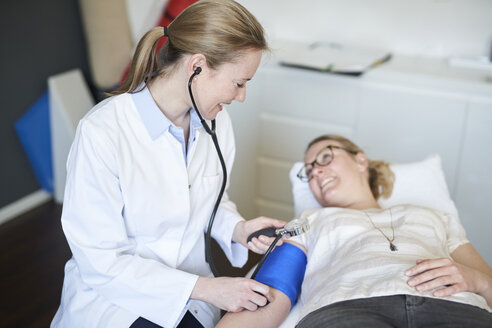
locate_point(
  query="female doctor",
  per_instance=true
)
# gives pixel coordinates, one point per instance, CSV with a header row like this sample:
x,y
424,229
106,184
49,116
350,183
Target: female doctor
x,y
143,177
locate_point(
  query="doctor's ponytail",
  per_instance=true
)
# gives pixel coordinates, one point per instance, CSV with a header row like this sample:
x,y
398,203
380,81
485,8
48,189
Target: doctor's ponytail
x,y
221,30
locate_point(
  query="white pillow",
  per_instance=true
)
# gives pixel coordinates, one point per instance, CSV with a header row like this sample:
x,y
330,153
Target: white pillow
x,y
418,183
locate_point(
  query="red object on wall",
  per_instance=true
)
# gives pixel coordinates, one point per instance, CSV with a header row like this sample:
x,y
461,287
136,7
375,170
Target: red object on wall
x,y
173,9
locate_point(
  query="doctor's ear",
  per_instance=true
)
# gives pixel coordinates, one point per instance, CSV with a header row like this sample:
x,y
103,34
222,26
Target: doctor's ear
x,y
197,64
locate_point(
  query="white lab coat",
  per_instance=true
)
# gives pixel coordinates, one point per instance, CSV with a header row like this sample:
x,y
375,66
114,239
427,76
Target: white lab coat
x,y
134,216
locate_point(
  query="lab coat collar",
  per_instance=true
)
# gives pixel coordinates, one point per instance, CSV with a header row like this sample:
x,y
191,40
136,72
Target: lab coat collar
x,y
153,119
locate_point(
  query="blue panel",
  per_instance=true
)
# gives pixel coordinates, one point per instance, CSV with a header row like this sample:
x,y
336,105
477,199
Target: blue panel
x,y
33,130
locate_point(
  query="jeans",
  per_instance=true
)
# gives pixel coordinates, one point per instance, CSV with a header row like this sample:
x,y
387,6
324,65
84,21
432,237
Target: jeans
x,y
397,311
188,321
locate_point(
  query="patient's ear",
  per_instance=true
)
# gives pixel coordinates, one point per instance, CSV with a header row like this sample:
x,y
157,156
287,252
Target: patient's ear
x,y
362,161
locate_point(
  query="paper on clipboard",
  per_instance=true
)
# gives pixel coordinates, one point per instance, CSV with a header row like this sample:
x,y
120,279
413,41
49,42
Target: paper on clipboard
x,y
334,57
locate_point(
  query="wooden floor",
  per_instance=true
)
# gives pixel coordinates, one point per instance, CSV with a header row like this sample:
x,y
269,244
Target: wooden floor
x,y
32,257
33,254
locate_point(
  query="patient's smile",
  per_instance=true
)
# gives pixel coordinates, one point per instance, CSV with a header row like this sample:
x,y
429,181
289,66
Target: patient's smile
x,y
326,181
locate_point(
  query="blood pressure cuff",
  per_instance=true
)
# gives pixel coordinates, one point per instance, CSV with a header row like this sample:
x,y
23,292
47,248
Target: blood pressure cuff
x,y
284,270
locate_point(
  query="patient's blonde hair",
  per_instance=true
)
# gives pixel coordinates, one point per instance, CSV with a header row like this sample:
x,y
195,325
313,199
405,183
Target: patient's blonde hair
x,y
381,178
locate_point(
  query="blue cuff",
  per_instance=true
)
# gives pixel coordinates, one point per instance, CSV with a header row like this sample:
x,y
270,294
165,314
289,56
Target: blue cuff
x,y
284,270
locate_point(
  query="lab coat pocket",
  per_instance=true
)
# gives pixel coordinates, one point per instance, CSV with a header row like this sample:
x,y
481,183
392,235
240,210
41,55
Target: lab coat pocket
x,y
204,194
210,186
211,180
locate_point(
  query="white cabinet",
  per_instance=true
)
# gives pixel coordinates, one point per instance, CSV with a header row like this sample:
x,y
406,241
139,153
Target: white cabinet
x,y
399,124
473,193
393,115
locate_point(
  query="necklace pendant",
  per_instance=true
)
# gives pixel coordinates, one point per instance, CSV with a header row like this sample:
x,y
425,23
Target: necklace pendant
x,y
393,247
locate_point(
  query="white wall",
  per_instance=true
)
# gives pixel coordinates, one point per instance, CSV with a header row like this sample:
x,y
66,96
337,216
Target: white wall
x,y
143,15
435,28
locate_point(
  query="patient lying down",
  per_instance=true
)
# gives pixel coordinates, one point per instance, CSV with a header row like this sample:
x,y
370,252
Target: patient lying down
x,y
373,267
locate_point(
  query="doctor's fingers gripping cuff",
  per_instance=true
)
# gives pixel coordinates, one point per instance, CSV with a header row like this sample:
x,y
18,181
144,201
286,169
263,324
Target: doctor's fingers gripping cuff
x,y
284,270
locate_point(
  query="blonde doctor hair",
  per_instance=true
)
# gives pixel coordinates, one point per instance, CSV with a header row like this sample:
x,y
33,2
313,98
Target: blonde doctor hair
x,y
219,29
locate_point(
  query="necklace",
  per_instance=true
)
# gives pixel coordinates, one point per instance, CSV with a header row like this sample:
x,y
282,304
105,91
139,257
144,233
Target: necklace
x,y
392,246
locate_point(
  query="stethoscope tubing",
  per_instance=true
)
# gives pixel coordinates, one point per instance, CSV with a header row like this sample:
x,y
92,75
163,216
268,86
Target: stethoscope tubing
x,y
211,132
208,234
269,250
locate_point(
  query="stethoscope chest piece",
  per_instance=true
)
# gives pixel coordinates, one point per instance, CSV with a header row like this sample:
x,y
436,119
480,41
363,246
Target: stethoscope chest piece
x,y
294,228
291,229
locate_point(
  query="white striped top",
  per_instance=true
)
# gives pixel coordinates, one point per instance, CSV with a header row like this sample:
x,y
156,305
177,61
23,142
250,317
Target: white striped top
x,y
348,258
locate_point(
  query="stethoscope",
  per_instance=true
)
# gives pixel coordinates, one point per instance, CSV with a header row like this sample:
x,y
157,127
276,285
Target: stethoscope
x,y
211,132
293,228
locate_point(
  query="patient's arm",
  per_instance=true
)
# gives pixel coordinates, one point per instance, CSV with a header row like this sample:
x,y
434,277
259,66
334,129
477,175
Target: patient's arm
x,y
468,272
481,280
271,315
274,313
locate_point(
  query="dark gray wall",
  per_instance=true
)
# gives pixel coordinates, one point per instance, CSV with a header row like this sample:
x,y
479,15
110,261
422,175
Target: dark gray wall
x,y
37,39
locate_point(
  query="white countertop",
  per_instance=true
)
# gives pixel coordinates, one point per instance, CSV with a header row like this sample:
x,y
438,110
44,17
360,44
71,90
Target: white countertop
x,y
401,70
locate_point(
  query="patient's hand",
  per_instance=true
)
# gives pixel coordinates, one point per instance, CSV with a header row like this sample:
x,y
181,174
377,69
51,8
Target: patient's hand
x,y
452,276
258,245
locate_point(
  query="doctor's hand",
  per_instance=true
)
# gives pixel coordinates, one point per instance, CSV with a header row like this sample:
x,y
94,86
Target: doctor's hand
x,y
232,294
258,245
451,277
